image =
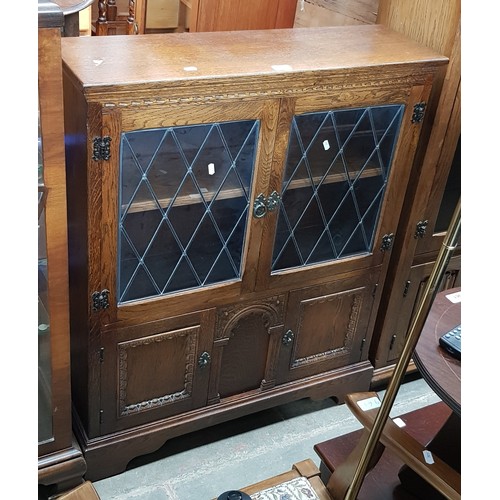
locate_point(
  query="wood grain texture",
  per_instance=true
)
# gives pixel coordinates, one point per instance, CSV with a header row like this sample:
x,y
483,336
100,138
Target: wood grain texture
x,y
54,179
441,370
232,15
311,13
120,84
439,474
157,62
306,468
60,461
430,23
382,482
85,491
437,24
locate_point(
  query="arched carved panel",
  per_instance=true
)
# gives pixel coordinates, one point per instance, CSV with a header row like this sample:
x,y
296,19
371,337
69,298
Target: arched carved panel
x,y
245,336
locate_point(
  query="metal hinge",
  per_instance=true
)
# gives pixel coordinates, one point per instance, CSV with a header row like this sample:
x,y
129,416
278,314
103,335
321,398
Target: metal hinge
x,y
418,112
363,342
101,354
387,241
101,149
100,300
375,288
101,416
406,288
421,228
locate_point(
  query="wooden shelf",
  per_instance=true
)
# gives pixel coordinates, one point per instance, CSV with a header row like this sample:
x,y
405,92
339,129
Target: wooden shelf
x,y
146,205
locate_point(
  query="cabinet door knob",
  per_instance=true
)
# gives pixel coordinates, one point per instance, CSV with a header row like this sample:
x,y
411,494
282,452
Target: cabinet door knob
x,y
204,359
287,337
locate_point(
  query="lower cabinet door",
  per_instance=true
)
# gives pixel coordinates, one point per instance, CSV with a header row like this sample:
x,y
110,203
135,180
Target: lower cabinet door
x,y
326,327
419,275
247,340
155,370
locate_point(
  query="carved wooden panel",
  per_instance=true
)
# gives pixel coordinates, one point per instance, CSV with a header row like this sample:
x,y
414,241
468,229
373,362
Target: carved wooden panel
x,y
168,382
325,328
155,371
247,336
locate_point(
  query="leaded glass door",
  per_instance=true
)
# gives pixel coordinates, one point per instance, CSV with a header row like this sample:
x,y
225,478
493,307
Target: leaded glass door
x,y
337,168
184,198
181,189
336,172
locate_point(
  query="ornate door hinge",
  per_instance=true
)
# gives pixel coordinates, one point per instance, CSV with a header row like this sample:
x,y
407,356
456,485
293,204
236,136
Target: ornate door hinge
x,y
101,149
387,241
421,228
100,300
418,112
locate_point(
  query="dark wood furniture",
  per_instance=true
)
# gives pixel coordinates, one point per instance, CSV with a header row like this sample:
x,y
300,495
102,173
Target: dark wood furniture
x,y
441,370
382,482
435,429
233,198
305,469
60,461
435,185
443,374
232,15
85,491
71,10
118,17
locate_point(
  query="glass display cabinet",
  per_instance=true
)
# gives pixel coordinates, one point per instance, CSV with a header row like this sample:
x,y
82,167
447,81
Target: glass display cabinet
x,y
231,216
60,460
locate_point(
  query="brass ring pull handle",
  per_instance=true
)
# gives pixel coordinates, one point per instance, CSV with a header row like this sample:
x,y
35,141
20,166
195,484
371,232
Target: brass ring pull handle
x,y
262,205
259,206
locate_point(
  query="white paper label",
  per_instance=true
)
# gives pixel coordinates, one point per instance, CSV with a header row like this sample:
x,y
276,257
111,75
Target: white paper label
x,y
455,297
211,169
326,144
428,457
369,403
281,67
190,68
399,422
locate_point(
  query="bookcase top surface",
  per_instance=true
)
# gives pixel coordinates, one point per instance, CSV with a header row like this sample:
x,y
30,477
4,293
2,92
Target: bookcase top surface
x,y
162,59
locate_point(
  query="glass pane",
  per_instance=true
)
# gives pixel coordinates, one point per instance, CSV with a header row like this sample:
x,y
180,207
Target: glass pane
x,y
451,193
45,431
184,198
336,173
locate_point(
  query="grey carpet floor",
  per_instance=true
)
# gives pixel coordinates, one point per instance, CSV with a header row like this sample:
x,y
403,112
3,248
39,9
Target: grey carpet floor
x,y
203,464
